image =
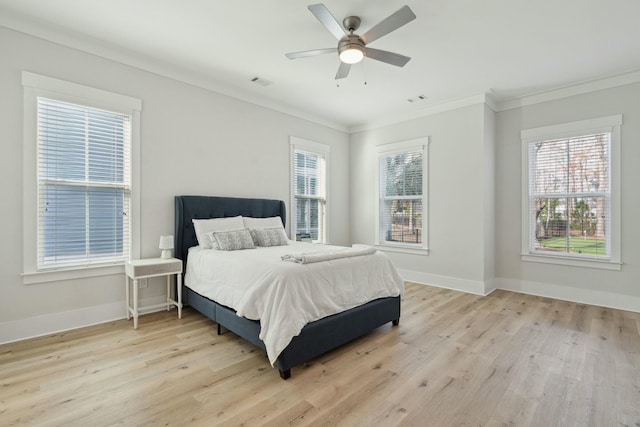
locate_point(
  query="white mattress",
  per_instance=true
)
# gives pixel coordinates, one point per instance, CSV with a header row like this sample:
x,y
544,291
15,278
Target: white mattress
x,y
285,296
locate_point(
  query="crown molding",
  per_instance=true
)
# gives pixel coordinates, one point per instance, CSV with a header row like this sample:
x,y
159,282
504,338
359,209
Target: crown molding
x,y
489,98
570,90
455,104
161,68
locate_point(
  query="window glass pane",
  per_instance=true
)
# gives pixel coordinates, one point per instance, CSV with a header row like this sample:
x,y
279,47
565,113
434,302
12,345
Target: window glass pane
x,y
576,165
551,225
106,222
105,136
588,164
61,132
307,169
549,160
63,223
401,174
573,225
402,220
309,214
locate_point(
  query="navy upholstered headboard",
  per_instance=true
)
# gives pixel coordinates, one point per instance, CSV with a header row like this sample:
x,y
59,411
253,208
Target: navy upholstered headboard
x,y
203,207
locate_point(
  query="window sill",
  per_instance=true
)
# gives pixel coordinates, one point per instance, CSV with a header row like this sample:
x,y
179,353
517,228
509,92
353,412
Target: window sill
x,y
402,249
71,274
574,262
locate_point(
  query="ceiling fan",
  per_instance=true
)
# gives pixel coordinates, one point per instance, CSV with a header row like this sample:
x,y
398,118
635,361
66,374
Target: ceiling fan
x,y
352,48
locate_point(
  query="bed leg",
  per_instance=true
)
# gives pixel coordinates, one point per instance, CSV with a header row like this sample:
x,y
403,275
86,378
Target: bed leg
x,y
395,322
219,329
285,374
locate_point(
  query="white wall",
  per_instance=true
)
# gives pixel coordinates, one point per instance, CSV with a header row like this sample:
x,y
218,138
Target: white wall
x,y
460,199
601,287
193,141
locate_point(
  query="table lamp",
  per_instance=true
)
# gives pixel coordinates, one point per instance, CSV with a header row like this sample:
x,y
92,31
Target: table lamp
x,y
166,244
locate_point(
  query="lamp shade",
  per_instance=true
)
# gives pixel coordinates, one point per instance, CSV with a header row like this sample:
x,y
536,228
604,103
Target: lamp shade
x,y
166,242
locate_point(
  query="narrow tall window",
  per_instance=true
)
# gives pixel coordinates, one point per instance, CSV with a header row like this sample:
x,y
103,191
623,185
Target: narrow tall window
x,y
84,186
309,190
569,197
402,194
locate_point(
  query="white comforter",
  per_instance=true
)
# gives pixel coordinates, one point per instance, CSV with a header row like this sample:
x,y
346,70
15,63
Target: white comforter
x,y
285,296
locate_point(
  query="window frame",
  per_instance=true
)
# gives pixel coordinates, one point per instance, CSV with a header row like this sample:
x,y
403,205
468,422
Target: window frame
x,y
608,124
35,86
385,150
319,149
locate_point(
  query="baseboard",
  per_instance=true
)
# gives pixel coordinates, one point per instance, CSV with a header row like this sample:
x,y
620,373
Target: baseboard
x,y
18,330
548,290
568,293
470,286
22,329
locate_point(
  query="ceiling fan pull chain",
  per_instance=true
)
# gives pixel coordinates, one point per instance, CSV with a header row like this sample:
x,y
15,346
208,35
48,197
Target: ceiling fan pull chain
x,y
364,65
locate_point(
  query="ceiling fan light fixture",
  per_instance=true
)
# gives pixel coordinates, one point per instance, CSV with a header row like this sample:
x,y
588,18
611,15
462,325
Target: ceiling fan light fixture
x,y
352,55
351,49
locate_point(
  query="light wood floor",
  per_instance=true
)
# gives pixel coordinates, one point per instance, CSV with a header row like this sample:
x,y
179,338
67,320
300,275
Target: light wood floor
x,y
455,359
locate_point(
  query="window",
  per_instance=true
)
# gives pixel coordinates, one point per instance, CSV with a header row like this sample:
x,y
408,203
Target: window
x,y
402,194
84,187
570,211
309,165
80,206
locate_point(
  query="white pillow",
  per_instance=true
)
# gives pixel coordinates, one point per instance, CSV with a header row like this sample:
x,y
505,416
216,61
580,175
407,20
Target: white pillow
x,y
204,226
254,223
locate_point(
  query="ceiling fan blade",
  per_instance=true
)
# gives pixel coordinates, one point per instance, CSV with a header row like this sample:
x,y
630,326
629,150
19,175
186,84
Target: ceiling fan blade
x,y
325,17
385,56
343,71
307,53
392,22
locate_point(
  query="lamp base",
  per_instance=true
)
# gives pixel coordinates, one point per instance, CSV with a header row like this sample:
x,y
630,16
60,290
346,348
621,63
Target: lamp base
x,y
166,254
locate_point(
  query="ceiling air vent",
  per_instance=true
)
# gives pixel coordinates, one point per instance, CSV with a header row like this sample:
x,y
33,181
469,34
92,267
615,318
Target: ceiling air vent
x,y
418,98
261,81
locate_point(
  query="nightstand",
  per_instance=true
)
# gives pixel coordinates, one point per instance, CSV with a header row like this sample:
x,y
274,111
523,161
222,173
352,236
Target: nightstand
x,y
152,267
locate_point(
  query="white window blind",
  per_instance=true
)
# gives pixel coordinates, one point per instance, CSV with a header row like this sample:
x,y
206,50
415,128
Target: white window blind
x,y
84,186
401,197
570,196
310,192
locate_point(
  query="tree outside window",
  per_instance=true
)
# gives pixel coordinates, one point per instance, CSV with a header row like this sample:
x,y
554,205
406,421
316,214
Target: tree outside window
x,y
570,194
401,195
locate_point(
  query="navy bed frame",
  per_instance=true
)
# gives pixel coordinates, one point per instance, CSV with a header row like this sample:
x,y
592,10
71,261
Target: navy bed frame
x,y
315,338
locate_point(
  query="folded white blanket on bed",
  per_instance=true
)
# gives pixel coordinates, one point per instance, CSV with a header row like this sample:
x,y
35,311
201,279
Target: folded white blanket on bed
x,y
310,257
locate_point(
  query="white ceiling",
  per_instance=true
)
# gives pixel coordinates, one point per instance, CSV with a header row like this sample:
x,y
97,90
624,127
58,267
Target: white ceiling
x,y
459,48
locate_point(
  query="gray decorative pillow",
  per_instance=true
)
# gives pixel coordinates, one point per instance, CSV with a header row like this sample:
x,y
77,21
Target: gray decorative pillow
x,y
269,236
232,240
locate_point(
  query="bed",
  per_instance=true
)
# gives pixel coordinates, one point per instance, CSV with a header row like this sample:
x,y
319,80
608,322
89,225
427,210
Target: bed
x,y
316,337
